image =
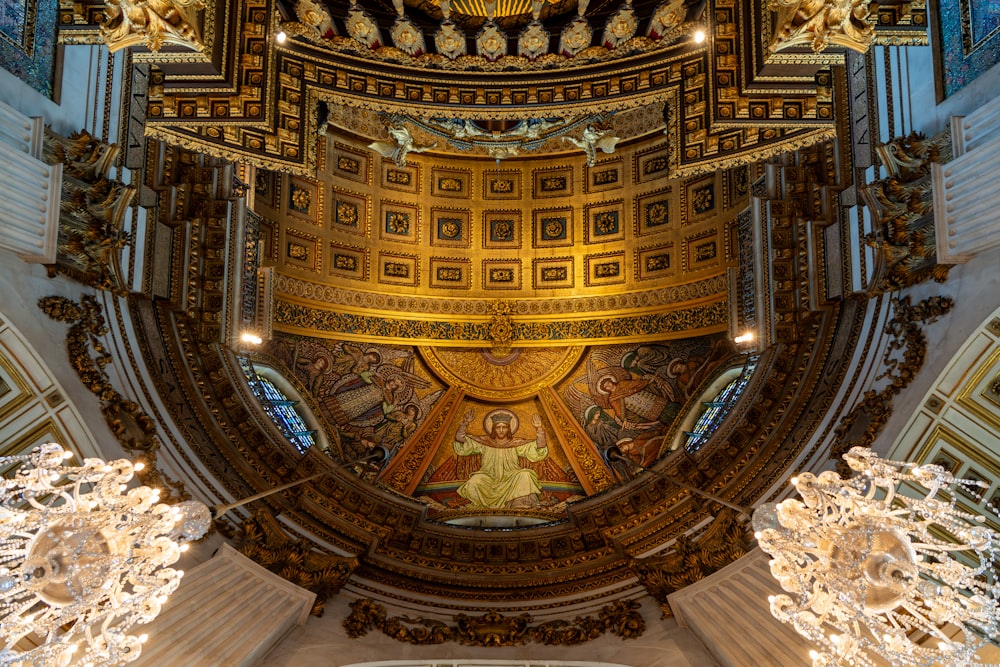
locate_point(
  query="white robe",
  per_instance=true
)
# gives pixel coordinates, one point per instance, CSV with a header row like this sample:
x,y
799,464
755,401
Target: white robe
x,y
500,478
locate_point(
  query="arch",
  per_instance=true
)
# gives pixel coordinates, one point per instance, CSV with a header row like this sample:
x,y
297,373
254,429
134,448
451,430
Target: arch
x,y
284,405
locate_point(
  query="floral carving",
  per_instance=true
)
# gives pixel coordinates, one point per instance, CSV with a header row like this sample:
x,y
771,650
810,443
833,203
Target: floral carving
x,y
152,23
621,618
819,23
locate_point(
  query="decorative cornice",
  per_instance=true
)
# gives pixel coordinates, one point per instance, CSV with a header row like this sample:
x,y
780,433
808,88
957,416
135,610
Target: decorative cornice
x,y
360,301
693,320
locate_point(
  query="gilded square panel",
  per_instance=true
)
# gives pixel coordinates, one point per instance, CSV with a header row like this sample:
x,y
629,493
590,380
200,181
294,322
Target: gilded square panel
x,y
557,182
265,188
654,262
605,175
268,240
553,227
398,269
450,227
451,183
502,229
698,199
450,273
301,250
501,274
399,222
348,262
735,187
502,184
604,269
653,212
349,212
46,431
350,163
302,199
552,273
605,222
651,165
405,179
701,251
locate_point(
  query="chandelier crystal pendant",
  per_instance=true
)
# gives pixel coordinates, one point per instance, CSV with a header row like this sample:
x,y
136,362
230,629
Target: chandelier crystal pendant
x,y
883,566
83,558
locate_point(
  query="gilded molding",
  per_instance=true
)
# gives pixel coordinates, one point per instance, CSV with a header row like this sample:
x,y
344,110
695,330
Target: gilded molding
x,y
700,318
621,619
360,301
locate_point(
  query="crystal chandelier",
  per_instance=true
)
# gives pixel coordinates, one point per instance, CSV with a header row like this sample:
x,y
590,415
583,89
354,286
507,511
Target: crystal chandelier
x,y
883,566
83,558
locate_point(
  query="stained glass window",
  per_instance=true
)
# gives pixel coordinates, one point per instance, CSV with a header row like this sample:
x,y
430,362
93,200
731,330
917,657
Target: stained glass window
x,y
718,408
279,407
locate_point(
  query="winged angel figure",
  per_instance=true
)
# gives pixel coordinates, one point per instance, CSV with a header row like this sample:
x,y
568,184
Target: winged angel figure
x,y
593,139
401,145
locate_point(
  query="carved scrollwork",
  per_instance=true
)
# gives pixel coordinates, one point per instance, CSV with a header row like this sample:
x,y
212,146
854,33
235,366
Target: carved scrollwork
x,y
820,23
725,540
904,356
91,213
621,619
261,539
904,235
134,429
152,23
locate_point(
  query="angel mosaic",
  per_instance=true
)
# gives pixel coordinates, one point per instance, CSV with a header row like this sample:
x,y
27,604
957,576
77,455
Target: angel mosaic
x,y
369,395
630,396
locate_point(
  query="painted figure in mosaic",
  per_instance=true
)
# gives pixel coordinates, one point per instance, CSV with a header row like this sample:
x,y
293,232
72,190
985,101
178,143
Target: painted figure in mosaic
x,y
499,480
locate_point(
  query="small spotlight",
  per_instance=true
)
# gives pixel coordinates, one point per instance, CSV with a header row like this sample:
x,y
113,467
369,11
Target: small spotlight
x,y
252,339
280,37
699,36
745,338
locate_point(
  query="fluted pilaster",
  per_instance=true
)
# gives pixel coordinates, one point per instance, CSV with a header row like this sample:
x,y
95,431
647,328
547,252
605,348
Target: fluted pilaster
x,y
29,217
728,611
215,616
966,200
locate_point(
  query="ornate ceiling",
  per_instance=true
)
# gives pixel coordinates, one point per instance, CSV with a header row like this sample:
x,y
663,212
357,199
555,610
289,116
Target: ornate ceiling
x,y
416,299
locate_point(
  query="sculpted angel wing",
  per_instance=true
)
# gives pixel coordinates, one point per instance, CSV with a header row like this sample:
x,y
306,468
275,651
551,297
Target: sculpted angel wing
x,y
383,148
607,143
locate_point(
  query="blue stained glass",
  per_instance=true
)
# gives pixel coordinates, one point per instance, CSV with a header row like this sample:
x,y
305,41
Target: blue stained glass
x,y
718,408
279,408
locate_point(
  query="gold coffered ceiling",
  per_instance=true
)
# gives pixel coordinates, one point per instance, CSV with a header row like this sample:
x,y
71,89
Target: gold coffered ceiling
x,y
419,304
